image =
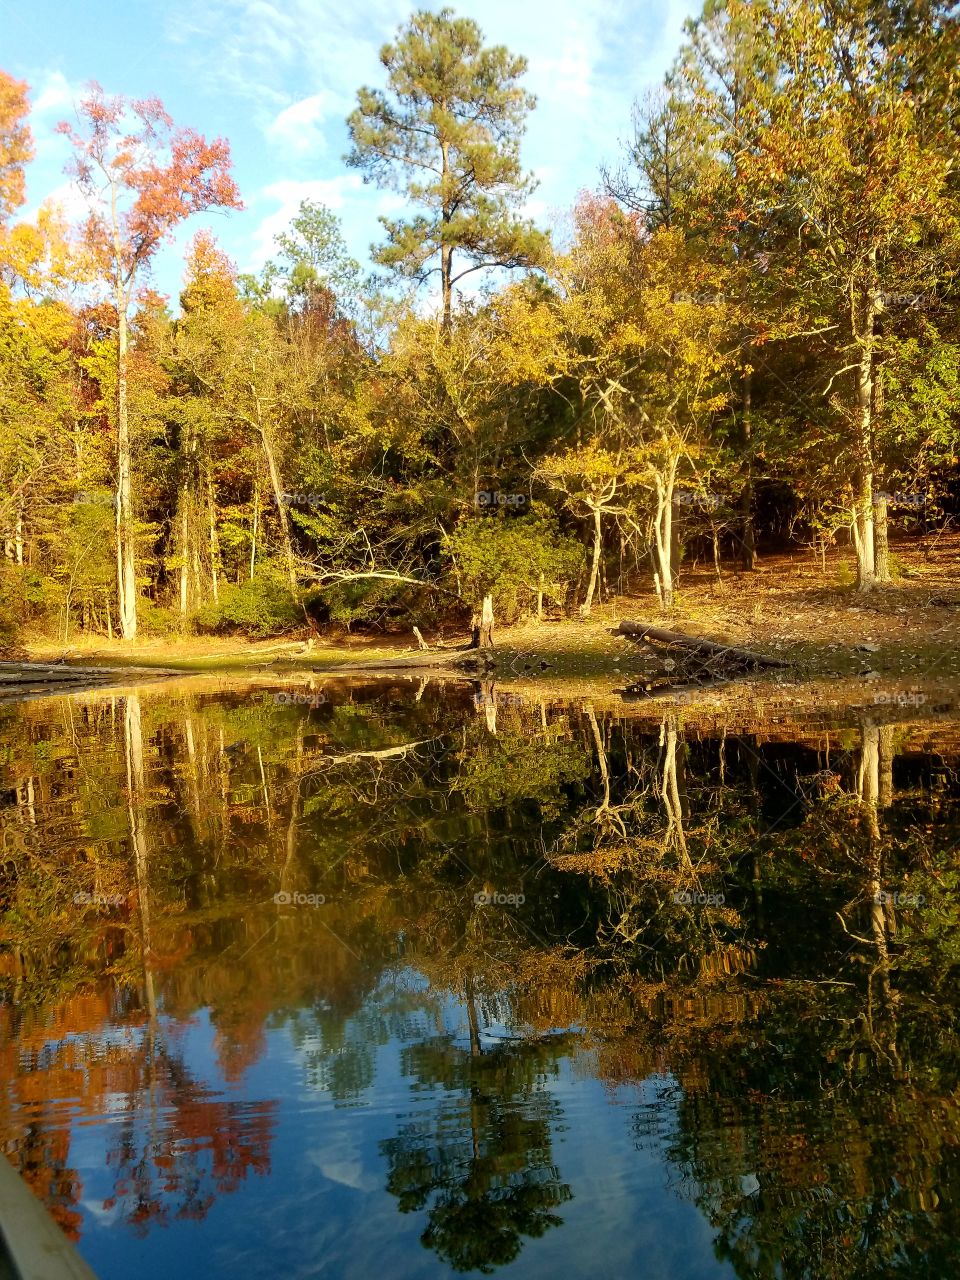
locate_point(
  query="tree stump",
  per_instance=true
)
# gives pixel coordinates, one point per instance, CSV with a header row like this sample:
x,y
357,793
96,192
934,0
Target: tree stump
x,y
486,623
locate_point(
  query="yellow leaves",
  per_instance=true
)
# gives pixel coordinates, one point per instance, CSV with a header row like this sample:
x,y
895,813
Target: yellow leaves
x,y
44,256
530,343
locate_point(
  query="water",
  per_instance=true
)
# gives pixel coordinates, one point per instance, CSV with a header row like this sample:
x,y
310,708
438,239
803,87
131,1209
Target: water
x,y
395,979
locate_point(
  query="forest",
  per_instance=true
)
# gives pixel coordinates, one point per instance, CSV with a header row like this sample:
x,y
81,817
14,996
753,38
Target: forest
x,y
743,338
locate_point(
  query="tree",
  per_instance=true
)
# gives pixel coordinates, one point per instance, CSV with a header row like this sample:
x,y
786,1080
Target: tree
x,y
837,149
313,256
16,144
635,335
447,133
142,177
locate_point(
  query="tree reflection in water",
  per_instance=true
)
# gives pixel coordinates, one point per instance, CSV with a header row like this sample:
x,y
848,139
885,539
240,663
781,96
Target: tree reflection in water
x,y
763,917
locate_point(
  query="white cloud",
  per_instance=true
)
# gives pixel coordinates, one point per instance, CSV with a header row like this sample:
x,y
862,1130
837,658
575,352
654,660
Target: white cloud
x,y
69,199
287,195
55,95
297,129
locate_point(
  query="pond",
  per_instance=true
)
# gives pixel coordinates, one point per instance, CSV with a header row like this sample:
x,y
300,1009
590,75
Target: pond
x,y
405,978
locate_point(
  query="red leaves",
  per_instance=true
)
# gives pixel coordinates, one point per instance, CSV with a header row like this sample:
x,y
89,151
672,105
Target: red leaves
x,y
144,182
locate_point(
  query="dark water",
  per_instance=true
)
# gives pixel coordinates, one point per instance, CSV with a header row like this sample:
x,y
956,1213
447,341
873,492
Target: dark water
x,y
548,989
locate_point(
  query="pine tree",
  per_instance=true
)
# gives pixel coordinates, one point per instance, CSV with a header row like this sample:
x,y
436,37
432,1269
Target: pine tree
x,y
447,133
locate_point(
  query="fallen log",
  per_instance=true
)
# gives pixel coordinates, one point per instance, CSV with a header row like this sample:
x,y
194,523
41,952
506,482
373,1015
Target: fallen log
x,y
22,672
469,659
694,646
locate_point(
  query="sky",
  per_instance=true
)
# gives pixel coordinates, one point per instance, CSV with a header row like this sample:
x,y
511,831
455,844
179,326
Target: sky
x,y
277,78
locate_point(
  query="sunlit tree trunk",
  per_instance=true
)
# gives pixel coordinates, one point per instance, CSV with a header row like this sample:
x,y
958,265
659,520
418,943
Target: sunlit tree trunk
x,y
278,497
126,565
214,544
748,548
663,533
863,326
595,563
881,538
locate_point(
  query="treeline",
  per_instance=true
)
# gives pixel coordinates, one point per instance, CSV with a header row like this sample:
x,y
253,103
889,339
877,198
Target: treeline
x,y
750,328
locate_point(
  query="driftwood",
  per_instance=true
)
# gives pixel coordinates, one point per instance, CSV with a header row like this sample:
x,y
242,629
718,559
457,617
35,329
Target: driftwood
x,y
46,672
667,686
706,652
388,753
20,680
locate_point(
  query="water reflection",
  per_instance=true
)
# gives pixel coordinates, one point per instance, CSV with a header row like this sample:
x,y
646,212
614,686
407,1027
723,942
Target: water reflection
x,y
559,982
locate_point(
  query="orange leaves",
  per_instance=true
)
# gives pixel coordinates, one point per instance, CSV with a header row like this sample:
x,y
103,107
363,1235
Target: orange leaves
x,y
145,181
16,143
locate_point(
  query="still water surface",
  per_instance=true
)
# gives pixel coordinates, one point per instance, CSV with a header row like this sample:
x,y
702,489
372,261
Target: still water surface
x,y
397,980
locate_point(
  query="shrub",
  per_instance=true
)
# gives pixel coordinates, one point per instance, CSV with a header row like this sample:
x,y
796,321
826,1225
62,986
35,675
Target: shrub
x,y
156,619
509,557
262,607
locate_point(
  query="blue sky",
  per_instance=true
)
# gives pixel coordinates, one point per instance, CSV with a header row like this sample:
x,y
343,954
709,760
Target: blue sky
x,y
278,77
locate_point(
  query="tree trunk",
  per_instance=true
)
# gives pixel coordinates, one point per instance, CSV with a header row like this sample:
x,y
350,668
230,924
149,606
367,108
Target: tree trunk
x,y
446,250
863,526
864,533
663,533
881,538
126,567
278,498
214,545
595,565
486,623
254,530
748,546
18,533
184,555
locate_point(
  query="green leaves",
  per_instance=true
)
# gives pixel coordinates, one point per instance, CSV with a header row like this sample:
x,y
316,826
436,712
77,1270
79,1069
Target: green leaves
x,y
447,133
